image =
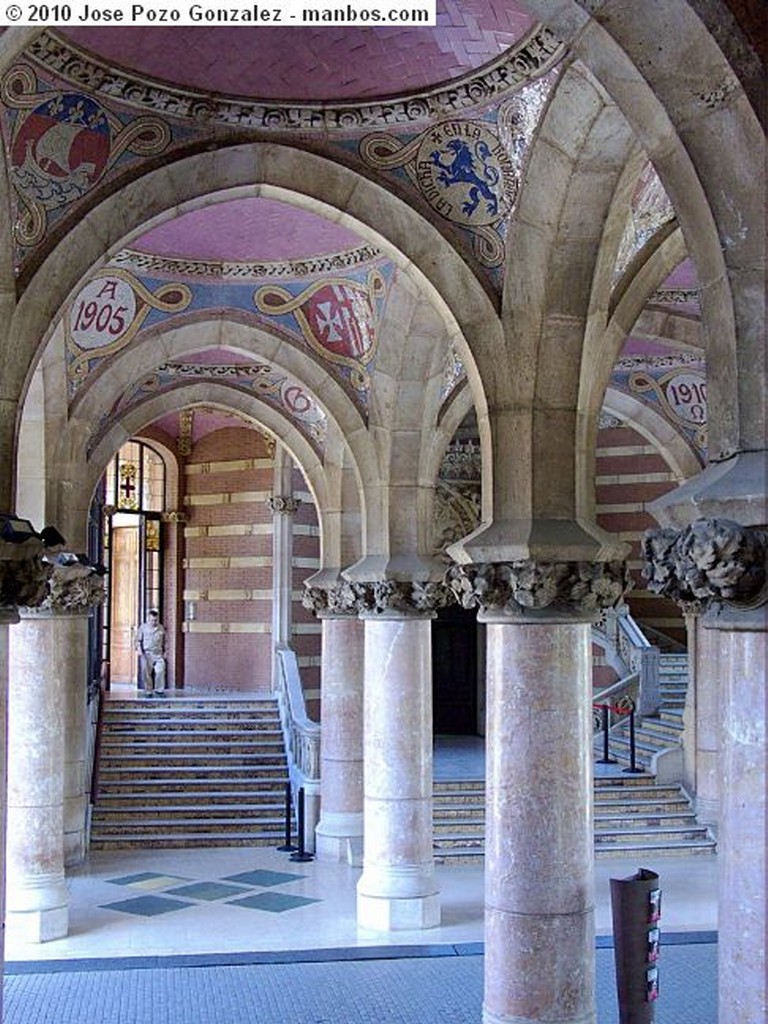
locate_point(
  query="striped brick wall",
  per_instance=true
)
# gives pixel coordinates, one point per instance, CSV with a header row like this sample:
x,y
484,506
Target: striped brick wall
x,y
227,566
306,629
228,562
631,473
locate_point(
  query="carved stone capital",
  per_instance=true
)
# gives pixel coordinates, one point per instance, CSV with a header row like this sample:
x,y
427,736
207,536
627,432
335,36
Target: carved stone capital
x,y
337,601
398,598
69,594
283,504
24,583
174,516
529,590
709,564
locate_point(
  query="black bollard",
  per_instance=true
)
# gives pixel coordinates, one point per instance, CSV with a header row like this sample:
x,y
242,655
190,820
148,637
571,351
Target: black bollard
x,y
287,845
301,854
606,758
633,769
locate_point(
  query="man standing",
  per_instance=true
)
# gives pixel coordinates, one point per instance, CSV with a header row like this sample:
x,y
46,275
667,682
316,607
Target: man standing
x,y
150,643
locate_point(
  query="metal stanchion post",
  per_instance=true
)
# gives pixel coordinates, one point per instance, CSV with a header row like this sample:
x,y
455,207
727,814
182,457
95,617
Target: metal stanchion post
x,y
633,769
606,758
287,845
301,854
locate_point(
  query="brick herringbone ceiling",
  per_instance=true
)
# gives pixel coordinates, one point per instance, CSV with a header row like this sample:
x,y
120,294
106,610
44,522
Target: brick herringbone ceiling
x,y
335,63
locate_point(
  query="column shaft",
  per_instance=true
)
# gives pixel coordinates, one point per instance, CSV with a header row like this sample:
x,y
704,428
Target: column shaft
x,y
743,866
397,889
539,915
72,662
37,897
704,707
340,832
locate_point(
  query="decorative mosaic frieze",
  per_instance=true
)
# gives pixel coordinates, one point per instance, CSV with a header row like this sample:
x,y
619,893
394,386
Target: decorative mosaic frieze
x,y
607,421
675,296
515,589
711,562
532,57
651,208
61,145
337,318
167,266
453,374
675,385
257,378
107,313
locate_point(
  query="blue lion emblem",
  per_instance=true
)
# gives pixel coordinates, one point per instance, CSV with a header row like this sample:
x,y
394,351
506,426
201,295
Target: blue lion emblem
x,y
462,170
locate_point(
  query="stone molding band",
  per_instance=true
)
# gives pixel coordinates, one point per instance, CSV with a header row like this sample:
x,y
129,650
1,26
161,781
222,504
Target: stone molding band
x,y
539,591
710,564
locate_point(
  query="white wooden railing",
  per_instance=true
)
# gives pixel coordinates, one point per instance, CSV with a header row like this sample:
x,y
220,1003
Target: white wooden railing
x,y
302,741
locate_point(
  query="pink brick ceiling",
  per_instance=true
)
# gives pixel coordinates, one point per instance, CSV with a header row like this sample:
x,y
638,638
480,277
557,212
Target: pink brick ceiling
x,y
247,229
316,64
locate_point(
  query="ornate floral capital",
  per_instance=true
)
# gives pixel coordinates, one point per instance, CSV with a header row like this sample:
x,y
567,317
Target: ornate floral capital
x,y
283,504
174,517
394,598
710,563
517,590
335,601
68,594
24,583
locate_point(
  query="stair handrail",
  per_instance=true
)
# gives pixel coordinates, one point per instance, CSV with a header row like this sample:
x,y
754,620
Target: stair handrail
x,y
301,734
637,654
620,697
94,730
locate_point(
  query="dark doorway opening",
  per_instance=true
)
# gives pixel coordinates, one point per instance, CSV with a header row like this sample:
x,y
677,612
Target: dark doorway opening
x,y
454,671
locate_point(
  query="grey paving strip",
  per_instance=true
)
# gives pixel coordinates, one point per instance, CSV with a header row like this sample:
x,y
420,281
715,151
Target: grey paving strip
x,y
411,989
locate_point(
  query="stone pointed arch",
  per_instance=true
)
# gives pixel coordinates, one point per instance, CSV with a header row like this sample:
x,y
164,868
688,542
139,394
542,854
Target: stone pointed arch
x,y
681,121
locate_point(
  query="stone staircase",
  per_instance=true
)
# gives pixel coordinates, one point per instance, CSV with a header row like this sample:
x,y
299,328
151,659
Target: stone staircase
x,y
184,771
633,814
653,735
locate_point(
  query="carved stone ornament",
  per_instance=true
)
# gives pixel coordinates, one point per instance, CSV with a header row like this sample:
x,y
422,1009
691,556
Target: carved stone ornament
x,y
282,505
396,597
331,602
517,589
174,517
709,563
24,583
69,595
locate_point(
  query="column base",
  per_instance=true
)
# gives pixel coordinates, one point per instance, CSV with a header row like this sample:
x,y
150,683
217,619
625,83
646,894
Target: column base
x,y
37,909
36,926
391,914
339,837
489,1017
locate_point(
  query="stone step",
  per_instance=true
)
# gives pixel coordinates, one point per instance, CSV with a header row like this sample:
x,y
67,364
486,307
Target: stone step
x,y
224,784
180,775
118,811
169,841
274,796
167,825
197,726
182,746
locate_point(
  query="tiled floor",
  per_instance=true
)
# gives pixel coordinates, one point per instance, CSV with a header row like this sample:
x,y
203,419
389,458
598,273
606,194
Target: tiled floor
x,y
159,912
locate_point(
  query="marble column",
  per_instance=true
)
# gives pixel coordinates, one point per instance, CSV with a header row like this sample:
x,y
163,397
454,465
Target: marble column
x,y
702,719
719,570
37,896
72,664
539,859
397,889
7,616
283,506
339,834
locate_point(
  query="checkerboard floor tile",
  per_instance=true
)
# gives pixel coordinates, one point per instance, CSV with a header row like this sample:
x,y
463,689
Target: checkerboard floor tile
x,y
264,878
147,906
274,902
